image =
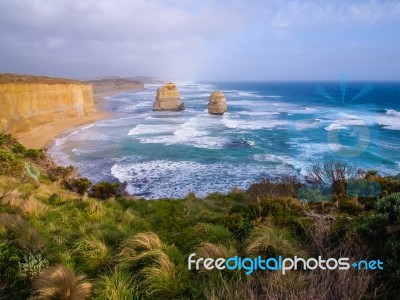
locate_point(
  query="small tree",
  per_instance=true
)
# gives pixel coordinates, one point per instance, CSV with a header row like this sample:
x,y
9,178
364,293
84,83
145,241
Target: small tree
x,y
104,190
333,175
81,185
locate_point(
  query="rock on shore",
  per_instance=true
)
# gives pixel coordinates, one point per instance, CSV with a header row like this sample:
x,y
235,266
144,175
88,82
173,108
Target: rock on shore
x,y
168,98
217,103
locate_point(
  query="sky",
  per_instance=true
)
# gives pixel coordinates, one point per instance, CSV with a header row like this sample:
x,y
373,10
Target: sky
x,y
202,40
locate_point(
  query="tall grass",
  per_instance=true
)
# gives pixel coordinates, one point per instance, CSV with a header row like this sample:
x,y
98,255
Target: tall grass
x,y
213,233
12,198
214,251
271,241
92,253
117,286
319,284
60,282
22,233
32,206
155,265
140,249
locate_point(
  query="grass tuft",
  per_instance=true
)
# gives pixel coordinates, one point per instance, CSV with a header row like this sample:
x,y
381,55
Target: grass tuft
x,y
271,241
117,286
92,253
60,282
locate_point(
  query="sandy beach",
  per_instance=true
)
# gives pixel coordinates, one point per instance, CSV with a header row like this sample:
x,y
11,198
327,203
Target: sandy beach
x,y
41,136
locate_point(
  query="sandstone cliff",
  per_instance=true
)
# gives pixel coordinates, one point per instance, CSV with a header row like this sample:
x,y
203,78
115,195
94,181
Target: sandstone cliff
x,y
31,101
168,98
115,85
217,103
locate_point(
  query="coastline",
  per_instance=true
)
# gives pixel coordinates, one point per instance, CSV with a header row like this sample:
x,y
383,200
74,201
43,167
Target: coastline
x,y
41,136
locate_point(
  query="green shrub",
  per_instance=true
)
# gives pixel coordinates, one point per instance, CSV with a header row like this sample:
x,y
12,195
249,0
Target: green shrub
x,y
286,186
237,223
32,265
13,280
81,185
379,232
104,190
18,148
10,164
350,207
61,173
34,153
55,199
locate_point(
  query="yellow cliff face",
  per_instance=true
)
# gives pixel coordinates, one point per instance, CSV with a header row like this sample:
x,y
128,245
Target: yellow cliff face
x,y
26,105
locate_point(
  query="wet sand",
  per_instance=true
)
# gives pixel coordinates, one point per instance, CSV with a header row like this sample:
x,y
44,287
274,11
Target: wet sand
x,y
41,136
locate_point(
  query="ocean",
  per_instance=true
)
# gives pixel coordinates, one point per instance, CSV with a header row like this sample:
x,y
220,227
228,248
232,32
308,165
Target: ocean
x,y
271,128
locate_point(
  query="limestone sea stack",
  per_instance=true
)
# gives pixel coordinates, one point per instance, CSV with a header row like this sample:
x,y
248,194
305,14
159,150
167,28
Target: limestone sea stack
x,y
217,103
168,98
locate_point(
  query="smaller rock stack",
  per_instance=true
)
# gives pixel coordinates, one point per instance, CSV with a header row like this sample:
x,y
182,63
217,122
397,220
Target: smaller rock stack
x,y
217,103
168,98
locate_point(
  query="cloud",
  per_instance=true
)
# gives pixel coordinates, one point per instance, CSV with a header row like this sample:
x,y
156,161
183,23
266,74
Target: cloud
x,y
103,29
177,37
305,14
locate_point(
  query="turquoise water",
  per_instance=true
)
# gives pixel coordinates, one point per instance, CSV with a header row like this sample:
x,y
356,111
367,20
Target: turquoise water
x,y
269,129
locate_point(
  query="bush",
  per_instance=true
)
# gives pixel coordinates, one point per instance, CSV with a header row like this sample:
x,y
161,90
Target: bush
x,y
34,153
286,186
18,148
237,223
10,164
379,231
104,190
61,173
14,281
32,265
81,185
333,175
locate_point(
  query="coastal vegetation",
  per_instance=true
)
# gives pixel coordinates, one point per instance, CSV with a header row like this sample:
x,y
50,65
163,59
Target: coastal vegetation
x,y
63,237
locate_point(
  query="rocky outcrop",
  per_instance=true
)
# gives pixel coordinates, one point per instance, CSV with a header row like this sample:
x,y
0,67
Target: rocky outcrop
x,y
217,103
168,98
31,101
115,85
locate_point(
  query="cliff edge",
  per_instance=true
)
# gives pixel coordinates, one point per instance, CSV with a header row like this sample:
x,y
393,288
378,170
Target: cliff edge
x,y
30,101
107,85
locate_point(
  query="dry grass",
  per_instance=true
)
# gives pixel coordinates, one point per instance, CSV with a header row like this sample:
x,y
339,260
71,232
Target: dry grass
x,y
20,231
214,251
270,241
141,242
13,199
32,206
222,288
60,282
141,247
96,209
318,284
161,276
149,258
